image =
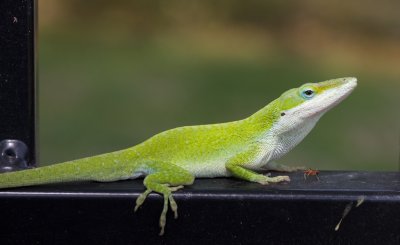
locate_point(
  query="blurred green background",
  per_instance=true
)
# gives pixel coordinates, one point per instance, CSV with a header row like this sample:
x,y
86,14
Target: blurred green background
x,y
114,73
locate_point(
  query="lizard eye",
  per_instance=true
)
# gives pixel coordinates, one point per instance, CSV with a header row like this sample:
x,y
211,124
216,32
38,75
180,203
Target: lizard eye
x,y
307,93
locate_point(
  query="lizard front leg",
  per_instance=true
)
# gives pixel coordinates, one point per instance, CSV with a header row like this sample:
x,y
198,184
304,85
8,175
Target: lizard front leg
x,y
165,179
237,167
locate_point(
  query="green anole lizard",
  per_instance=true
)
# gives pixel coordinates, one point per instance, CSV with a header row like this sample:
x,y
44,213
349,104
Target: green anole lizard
x,y
174,158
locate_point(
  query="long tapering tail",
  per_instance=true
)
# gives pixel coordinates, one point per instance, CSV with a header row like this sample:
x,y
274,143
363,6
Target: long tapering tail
x,y
106,167
51,174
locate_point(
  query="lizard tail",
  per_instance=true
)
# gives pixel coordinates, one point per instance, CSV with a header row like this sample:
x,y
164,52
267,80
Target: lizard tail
x,y
43,175
99,168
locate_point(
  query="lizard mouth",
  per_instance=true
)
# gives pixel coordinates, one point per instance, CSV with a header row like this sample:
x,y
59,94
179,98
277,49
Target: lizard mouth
x,y
349,84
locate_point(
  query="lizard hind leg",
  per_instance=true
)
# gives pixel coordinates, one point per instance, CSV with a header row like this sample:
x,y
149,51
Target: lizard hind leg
x,y
166,179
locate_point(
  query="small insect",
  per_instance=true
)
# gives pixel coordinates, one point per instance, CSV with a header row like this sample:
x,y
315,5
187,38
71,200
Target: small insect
x,y
15,20
312,172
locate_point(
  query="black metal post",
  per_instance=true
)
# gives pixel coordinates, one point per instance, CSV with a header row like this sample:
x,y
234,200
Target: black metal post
x,y
17,84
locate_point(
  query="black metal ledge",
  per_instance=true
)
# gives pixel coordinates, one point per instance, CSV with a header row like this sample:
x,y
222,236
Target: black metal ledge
x,y
213,211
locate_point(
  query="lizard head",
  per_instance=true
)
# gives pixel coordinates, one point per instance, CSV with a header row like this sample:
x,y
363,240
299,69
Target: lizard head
x,y
302,107
314,99
289,118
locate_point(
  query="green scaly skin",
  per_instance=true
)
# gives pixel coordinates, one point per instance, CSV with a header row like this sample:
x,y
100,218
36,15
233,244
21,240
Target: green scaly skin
x,y
174,158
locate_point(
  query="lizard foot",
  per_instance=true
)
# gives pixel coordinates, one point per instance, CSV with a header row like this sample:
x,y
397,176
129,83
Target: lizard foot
x,y
141,198
167,198
174,207
265,180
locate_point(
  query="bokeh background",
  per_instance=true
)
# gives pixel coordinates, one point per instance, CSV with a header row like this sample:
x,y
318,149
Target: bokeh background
x,y
113,73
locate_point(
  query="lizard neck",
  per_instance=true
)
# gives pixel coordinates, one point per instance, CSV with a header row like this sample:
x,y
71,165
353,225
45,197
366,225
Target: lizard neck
x,y
281,142
276,134
263,120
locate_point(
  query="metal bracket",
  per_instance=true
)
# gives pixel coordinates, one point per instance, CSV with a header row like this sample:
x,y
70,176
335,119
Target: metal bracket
x,y
14,155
